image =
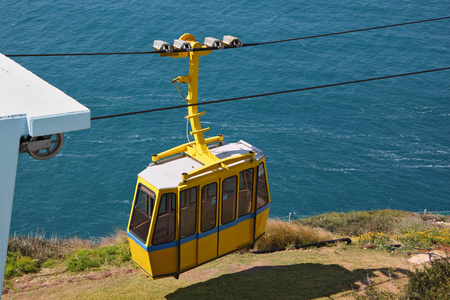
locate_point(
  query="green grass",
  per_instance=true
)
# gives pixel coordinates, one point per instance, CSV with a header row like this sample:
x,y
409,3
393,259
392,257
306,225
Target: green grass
x,y
357,223
93,258
327,272
30,254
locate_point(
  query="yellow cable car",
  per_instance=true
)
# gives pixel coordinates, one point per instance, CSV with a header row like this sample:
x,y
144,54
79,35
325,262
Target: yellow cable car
x,y
200,200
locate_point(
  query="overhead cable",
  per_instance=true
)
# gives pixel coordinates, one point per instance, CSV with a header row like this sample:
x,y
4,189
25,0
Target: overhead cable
x,y
119,53
269,94
228,47
344,32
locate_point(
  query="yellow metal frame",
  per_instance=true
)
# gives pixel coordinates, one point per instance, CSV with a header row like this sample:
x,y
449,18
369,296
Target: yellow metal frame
x,y
198,150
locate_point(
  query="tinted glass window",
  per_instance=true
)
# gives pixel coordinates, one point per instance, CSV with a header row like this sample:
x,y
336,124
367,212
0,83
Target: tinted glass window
x,y
163,205
262,197
229,199
188,212
209,206
142,213
165,223
245,192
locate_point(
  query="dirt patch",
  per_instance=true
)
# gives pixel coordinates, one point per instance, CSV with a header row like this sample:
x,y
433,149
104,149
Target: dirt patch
x,y
29,283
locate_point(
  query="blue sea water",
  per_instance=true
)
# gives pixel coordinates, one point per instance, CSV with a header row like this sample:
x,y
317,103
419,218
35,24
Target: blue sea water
x,y
373,145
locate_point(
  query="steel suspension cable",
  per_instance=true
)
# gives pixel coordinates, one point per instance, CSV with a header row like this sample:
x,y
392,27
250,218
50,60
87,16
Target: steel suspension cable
x,y
344,32
270,94
229,47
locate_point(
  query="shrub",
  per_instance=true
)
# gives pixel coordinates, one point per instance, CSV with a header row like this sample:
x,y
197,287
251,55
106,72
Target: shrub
x,y
17,265
382,240
361,222
49,263
358,222
82,260
427,238
371,292
36,246
47,251
280,234
27,265
430,283
85,259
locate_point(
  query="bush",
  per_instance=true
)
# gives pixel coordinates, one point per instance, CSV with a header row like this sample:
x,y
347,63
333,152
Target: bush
x,y
17,265
27,265
49,263
94,258
387,221
82,260
360,222
36,246
381,240
371,292
280,234
430,283
427,238
46,252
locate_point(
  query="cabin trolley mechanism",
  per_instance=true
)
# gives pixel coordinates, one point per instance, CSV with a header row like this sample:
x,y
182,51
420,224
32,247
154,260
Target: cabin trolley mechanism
x,y
200,200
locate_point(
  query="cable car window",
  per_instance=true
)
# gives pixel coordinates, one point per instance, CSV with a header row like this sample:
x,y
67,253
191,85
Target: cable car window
x,y
245,192
209,206
162,207
165,223
193,197
229,199
174,203
212,190
142,213
262,195
188,214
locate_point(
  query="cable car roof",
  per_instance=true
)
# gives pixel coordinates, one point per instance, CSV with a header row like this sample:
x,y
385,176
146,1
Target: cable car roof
x,y
166,173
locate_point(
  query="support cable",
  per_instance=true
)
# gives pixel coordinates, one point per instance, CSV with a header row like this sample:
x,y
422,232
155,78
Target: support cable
x,y
228,47
344,32
270,94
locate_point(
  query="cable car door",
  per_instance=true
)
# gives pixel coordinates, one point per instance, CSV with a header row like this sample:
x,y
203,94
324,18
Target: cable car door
x,y
188,225
262,201
228,229
207,237
246,218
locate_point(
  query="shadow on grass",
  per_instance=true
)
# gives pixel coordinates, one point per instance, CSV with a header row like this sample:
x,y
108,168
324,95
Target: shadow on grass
x,y
300,281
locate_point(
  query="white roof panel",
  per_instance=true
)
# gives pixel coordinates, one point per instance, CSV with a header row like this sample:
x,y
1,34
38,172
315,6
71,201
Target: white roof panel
x,y
167,174
48,110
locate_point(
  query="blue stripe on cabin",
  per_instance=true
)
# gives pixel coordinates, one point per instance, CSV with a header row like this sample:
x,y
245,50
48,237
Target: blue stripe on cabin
x,y
198,235
262,209
207,233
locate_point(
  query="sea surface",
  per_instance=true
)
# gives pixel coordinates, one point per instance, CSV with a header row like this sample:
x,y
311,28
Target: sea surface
x,y
372,145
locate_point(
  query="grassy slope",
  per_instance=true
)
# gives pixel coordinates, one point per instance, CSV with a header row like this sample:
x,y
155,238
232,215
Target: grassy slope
x,y
330,272
297,274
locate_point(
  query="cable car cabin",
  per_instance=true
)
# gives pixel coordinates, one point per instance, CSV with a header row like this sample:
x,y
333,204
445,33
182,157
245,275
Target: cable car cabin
x,y
196,202
186,213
